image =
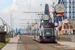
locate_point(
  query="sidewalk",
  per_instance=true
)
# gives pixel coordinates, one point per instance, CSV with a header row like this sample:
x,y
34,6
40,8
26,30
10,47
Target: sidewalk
x,y
71,44
12,45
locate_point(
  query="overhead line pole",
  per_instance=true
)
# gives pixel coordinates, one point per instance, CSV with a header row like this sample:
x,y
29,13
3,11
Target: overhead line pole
x,y
52,11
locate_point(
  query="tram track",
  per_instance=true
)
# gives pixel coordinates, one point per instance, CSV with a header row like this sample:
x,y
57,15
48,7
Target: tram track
x,y
31,43
25,45
51,46
35,44
45,45
42,46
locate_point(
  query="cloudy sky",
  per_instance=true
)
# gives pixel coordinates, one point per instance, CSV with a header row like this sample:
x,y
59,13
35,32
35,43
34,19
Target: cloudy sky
x,y
17,7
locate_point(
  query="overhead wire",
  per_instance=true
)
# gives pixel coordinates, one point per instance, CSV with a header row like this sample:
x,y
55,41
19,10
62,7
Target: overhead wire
x,y
55,1
29,7
28,10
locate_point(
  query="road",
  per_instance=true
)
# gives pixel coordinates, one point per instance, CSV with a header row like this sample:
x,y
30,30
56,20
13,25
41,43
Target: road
x,y
30,44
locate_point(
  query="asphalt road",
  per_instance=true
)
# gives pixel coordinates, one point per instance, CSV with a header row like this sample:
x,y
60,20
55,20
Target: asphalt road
x,y
27,43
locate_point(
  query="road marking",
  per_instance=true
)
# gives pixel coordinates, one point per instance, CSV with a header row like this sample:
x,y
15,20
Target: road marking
x,y
65,47
59,43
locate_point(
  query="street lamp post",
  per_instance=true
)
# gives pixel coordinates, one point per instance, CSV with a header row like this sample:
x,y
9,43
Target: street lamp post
x,y
11,20
41,13
12,25
52,11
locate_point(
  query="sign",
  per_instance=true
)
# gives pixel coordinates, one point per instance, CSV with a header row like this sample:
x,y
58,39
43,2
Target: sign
x,y
47,26
45,17
59,8
45,21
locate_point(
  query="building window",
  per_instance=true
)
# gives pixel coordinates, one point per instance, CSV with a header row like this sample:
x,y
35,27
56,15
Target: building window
x,y
65,26
66,31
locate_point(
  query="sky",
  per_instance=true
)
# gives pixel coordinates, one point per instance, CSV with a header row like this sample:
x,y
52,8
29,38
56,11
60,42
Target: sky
x,y
17,7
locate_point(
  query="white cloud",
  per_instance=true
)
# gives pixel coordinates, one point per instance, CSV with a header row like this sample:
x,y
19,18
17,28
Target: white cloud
x,y
20,6
23,5
8,9
14,1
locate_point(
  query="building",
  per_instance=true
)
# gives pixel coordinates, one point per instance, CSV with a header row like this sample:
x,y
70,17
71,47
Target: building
x,y
69,8
66,27
68,14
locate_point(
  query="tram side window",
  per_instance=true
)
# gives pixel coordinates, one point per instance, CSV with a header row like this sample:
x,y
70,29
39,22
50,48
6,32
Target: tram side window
x,y
41,32
34,30
54,32
38,31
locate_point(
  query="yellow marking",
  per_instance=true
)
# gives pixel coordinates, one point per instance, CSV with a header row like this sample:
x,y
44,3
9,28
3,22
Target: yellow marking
x,y
59,43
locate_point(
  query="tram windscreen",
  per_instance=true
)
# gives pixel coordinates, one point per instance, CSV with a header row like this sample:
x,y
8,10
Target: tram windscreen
x,y
48,32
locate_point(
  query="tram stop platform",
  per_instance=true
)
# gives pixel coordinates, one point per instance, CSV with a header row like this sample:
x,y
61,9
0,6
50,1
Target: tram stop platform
x,y
66,40
66,43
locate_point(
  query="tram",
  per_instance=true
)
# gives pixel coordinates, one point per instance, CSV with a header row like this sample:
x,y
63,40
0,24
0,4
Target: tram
x,y
45,32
